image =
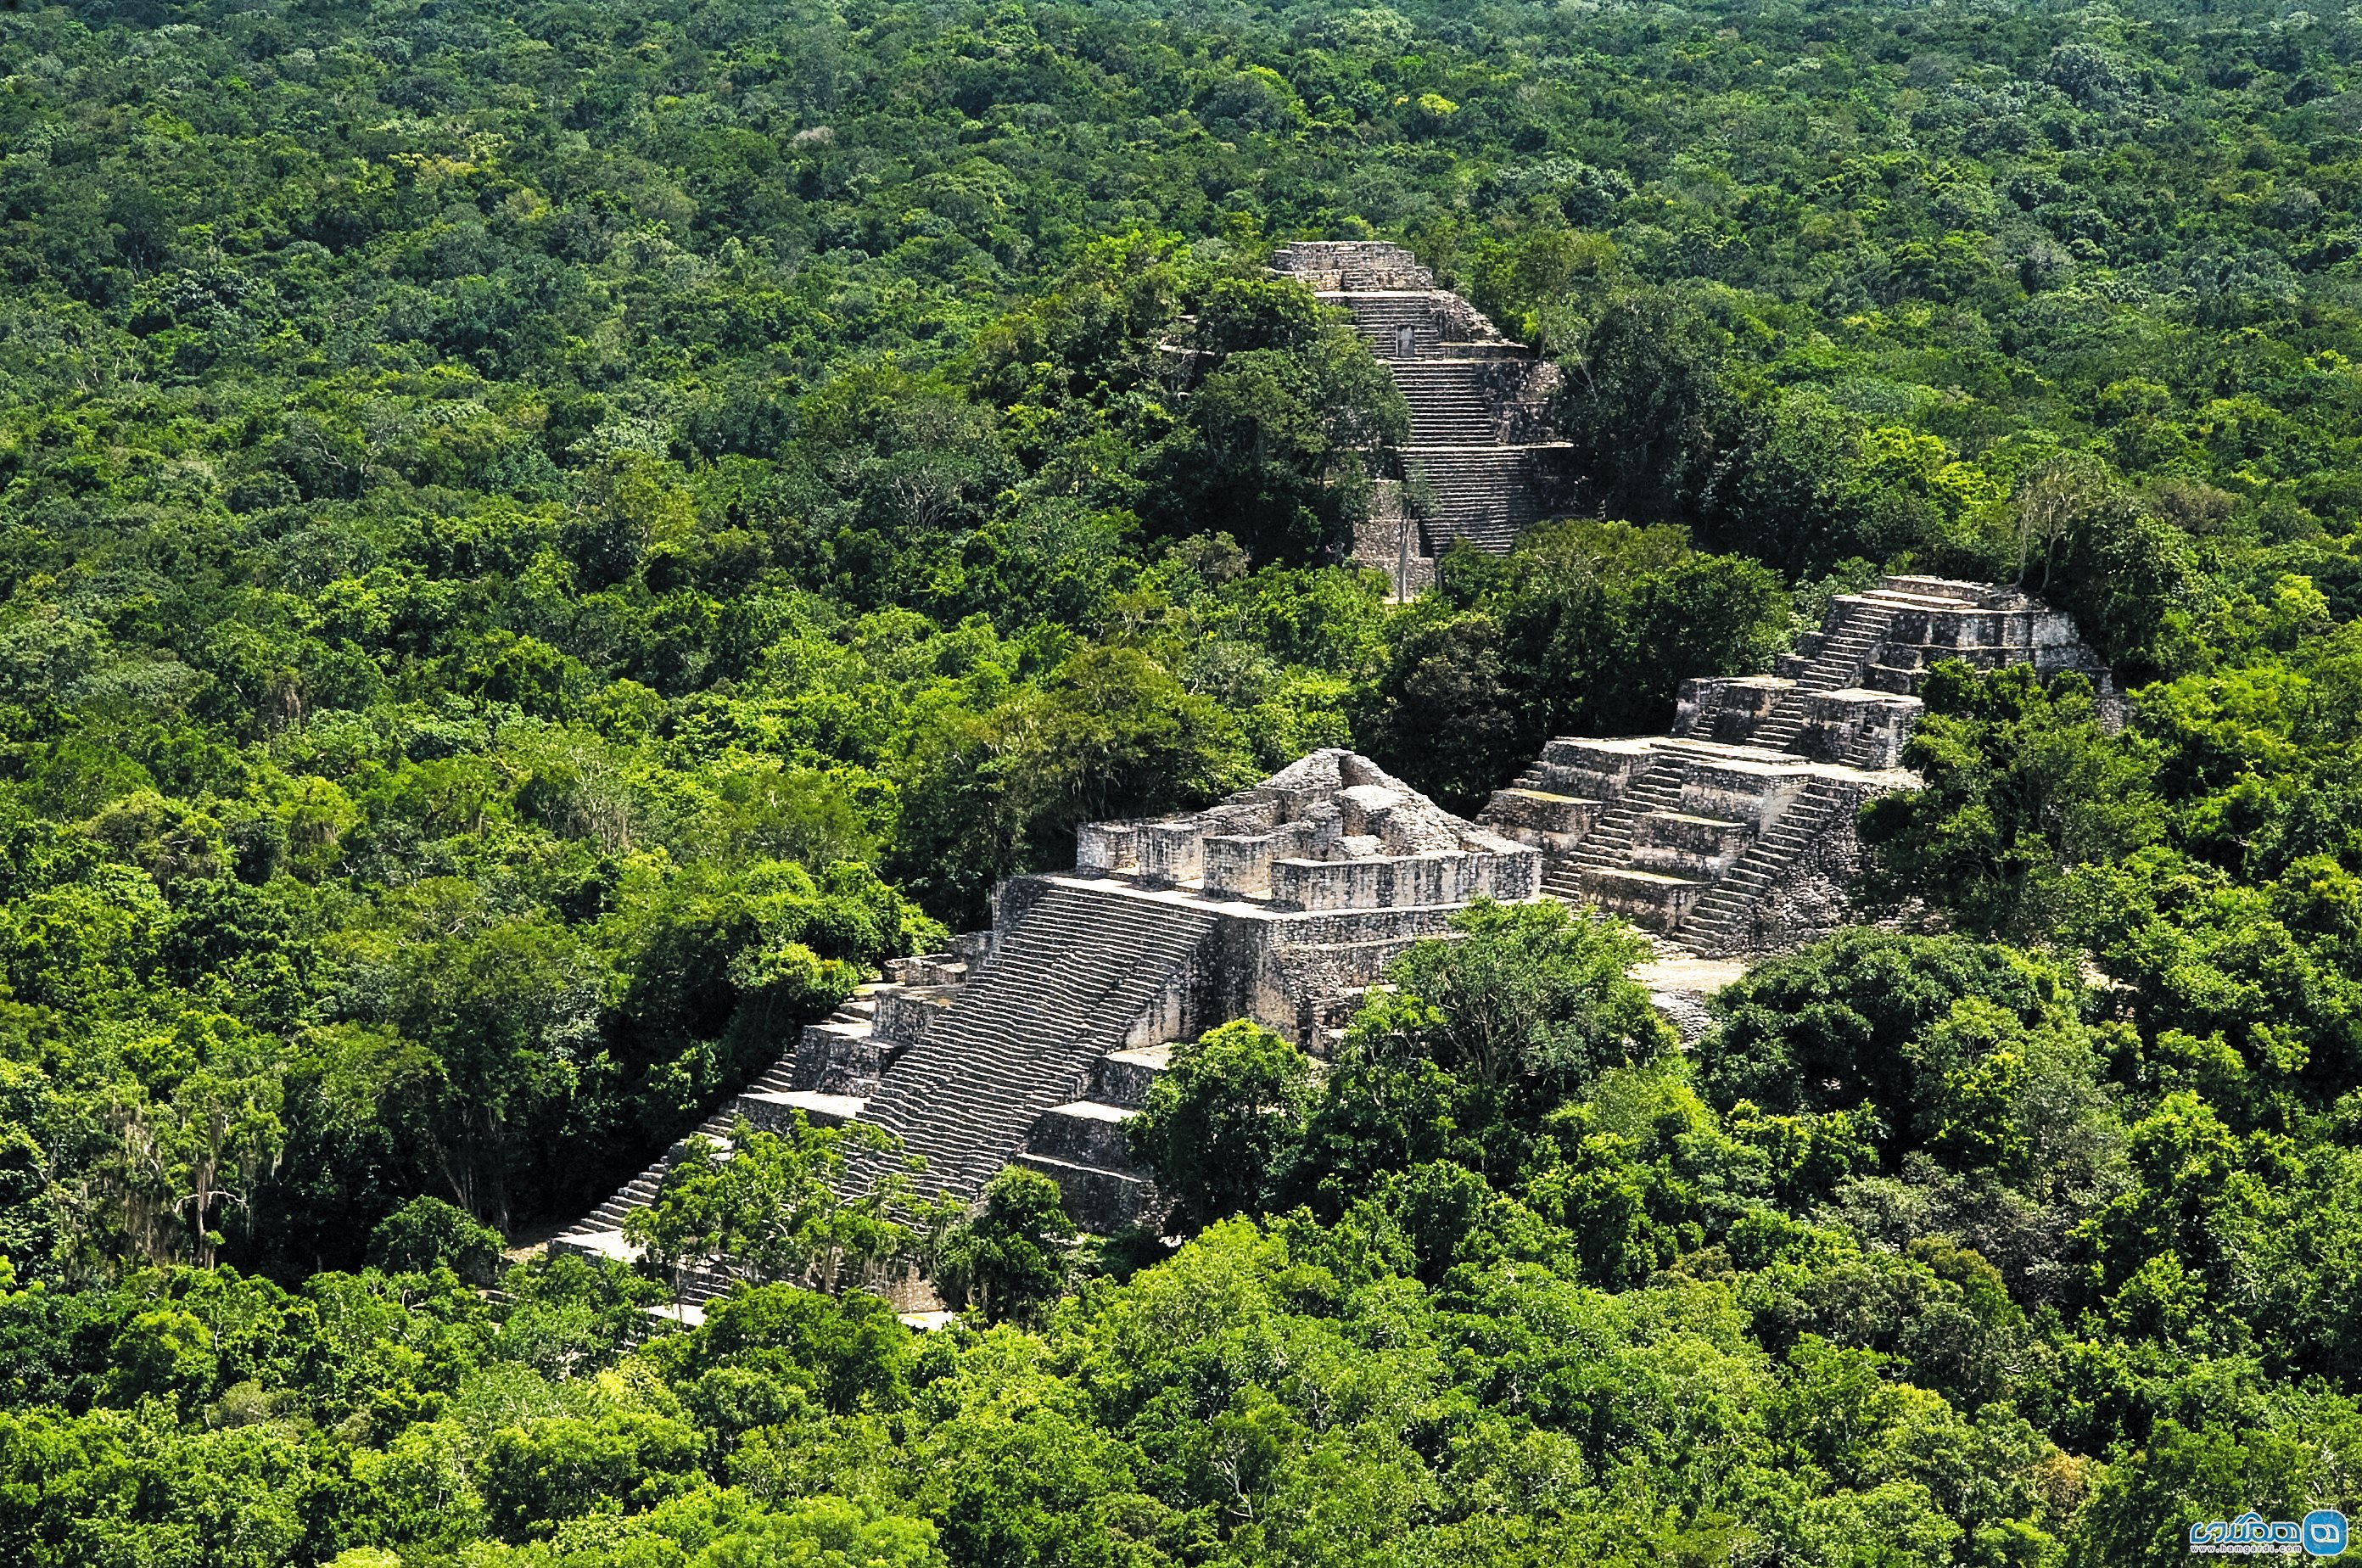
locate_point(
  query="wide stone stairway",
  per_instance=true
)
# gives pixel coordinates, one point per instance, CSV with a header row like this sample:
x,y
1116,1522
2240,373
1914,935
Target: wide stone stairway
x,y
1037,1055
1451,401
1071,983
1834,660
1486,492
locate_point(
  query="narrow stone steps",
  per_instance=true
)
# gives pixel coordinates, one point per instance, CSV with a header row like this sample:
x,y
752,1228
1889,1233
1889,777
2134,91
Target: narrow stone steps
x,y
1608,845
1757,872
1839,654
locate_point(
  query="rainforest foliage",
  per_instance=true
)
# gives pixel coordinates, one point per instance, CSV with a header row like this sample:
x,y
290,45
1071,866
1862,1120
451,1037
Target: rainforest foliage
x,y
540,542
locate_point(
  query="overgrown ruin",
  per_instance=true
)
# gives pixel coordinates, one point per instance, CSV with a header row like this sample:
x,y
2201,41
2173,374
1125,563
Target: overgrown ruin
x,y
1734,833
1481,463
1035,1042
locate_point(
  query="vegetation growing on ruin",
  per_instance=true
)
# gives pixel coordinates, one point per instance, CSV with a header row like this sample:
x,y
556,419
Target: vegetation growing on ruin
x,y
538,543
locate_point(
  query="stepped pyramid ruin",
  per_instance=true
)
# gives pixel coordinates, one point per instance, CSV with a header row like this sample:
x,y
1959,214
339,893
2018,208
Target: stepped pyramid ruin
x,y
1734,834
1035,1042
1481,458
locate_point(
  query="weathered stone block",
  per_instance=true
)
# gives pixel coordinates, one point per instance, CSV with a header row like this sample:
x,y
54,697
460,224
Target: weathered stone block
x,y
1678,845
1085,1132
1596,769
1111,849
1552,823
1124,1078
1739,791
1172,852
902,1016
1241,863
832,1052
1378,882
1859,727
1653,902
926,969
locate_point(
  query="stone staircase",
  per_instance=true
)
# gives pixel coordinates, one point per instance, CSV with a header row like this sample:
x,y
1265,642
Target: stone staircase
x,y
1683,836
1452,402
1083,1146
1836,658
1716,835
1609,841
1067,986
1383,318
1020,1044
1716,920
1482,495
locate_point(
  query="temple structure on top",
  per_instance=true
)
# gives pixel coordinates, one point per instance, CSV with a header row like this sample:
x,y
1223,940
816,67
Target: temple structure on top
x,y
1333,832
1481,463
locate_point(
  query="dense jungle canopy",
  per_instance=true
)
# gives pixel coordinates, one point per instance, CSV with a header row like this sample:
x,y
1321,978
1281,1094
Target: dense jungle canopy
x,y
540,542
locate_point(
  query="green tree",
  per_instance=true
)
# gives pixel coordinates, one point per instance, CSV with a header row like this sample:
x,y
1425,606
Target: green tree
x,y
428,1233
1476,1042
1645,406
1442,712
1223,1118
539,1474
1276,439
2022,783
1114,735
1010,1261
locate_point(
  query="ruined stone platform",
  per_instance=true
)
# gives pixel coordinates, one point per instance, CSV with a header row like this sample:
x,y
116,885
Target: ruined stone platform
x,y
1735,833
1037,1041
1280,904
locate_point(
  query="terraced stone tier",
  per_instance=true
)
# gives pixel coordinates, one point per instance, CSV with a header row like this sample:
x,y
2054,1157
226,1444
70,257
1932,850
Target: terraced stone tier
x,y
1650,899
1085,1131
1124,1078
1552,823
1676,844
1480,448
1100,1200
775,1110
